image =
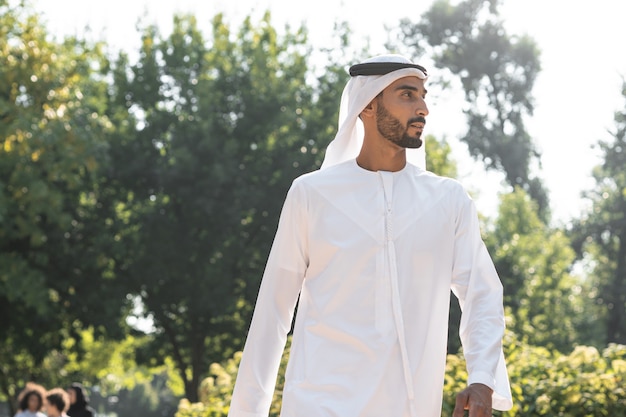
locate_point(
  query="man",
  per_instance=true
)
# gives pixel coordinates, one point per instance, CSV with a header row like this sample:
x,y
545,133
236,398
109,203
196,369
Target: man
x,y
372,244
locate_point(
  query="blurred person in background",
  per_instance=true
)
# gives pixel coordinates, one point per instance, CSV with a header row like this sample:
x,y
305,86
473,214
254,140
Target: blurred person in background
x,y
79,401
30,401
57,402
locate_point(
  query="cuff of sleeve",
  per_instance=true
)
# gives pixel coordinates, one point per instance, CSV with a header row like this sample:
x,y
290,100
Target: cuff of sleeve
x,y
501,398
481,377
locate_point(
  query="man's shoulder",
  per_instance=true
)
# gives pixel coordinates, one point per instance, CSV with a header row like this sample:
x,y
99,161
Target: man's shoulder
x,y
335,174
444,187
436,179
441,180
345,175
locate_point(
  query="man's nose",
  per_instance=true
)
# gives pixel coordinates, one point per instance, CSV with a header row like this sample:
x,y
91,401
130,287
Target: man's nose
x,y
422,108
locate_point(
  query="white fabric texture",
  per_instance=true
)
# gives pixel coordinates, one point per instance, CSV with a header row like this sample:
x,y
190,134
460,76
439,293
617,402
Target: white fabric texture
x,y
357,94
372,257
28,413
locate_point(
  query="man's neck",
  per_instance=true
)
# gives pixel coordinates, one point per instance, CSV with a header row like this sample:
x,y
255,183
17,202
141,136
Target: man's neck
x,y
381,159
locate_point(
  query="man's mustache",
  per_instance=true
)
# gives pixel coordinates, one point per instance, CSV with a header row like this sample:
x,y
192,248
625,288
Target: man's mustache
x,y
418,119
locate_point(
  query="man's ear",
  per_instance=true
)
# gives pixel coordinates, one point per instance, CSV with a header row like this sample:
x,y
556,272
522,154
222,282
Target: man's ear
x,y
369,110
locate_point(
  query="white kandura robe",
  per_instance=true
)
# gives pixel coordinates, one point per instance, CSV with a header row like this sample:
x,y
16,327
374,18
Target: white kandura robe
x,y
373,256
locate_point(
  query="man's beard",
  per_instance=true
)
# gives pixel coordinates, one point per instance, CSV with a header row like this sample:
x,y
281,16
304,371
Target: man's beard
x,y
393,130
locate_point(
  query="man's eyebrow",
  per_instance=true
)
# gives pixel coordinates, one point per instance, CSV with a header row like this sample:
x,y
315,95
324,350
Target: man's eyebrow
x,y
409,87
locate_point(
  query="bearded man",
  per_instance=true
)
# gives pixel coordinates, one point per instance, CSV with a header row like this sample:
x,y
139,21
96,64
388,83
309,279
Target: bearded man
x,y
370,246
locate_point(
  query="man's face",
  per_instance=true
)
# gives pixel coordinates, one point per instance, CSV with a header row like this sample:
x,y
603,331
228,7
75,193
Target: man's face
x,y
401,112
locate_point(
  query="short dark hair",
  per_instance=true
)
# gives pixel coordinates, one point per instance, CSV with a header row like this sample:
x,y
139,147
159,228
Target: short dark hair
x,y
31,389
59,398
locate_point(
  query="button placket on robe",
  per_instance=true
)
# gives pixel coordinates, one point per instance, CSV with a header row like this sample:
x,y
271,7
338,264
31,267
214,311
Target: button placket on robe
x,y
392,273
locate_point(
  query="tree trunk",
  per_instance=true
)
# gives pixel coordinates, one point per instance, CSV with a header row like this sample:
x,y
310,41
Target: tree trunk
x,y
616,325
197,365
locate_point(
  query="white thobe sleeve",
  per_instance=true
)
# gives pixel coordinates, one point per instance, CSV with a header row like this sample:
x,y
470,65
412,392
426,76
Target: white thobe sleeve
x,y
273,313
476,284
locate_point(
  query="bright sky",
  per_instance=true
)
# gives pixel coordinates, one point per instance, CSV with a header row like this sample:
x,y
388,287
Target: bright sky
x,y
576,94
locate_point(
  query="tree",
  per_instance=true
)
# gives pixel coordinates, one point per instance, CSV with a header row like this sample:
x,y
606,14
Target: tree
x,y
55,275
497,73
600,236
222,128
542,297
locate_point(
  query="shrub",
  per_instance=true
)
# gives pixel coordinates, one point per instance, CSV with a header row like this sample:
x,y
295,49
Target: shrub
x,y
585,383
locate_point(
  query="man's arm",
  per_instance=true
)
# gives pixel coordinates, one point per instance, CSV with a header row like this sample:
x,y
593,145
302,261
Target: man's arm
x,y
476,284
273,313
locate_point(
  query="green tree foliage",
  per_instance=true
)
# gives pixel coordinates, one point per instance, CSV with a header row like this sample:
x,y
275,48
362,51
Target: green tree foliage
x,y
161,178
55,274
216,390
149,398
600,235
541,296
223,125
439,158
497,72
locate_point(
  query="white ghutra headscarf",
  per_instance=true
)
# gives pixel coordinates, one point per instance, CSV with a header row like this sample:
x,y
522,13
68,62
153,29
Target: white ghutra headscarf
x,y
368,79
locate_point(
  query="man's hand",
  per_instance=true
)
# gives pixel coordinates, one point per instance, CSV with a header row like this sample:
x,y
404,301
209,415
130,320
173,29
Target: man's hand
x,y
476,398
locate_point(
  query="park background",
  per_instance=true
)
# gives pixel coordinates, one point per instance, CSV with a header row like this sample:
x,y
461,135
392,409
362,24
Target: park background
x,y
143,166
